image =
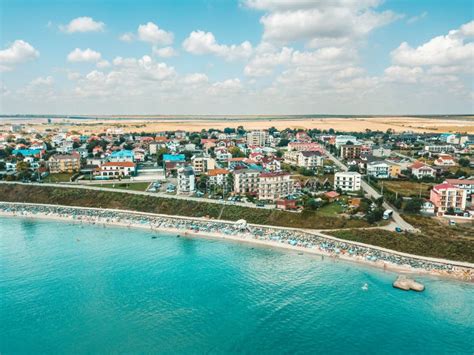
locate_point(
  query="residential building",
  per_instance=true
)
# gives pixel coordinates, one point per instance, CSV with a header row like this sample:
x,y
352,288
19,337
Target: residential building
x,y
378,169
304,146
444,160
218,176
446,196
439,148
347,180
310,160
64,163
246,181
186,180
394,169
465,184
420,170
257,137
115,170
121,156
274,185
350,151
341,140
203,163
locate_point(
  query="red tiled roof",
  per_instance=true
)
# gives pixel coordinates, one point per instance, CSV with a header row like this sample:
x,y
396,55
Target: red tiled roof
x,y
128,164
215,172
459,181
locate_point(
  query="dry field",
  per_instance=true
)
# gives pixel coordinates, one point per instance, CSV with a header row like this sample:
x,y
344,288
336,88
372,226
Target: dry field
x,y
165,123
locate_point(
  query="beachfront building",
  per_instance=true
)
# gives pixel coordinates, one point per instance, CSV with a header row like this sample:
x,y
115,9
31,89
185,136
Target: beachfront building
x,y
420,170
246,181
64,163
115,170
218,177
347,180
447,196
259,138
202,163
273,186
378,169
186,180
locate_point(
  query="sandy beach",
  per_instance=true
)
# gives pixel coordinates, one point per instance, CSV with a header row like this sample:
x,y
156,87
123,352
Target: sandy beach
x,y
227,231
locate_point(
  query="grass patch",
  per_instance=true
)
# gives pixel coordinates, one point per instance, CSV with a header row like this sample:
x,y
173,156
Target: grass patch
x,y
71,196
133,186
332,209
435,245
61,177
408,188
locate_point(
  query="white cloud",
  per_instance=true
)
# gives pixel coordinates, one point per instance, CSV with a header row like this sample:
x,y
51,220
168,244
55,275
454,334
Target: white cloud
x,y
103,64
18,52
73,76
200,42
165,52
450,50
48,80
226,87
153,34
195,79
403,74
417,18
320,22
127,37
87,55
83,24
264,63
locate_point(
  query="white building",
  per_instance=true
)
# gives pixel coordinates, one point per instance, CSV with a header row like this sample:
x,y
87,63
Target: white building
x,y
420,170
378,169
246,181
275,185
341,140
257,138
347,181
186,180
113,170
203,163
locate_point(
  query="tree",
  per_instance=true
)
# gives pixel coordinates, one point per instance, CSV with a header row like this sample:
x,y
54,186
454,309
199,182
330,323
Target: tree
x,y
464,162
413,205
375,215
236,152
312,204
283,142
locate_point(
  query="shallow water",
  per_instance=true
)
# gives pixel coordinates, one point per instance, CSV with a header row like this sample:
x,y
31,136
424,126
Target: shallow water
x,y
73,289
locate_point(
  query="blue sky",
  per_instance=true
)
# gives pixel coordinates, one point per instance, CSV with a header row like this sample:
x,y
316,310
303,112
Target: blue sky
x,y
245,57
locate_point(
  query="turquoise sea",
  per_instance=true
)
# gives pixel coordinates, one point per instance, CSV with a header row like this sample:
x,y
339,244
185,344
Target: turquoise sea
x,y
85,289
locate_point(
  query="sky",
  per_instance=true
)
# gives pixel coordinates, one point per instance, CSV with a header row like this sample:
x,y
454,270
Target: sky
x,y
236,57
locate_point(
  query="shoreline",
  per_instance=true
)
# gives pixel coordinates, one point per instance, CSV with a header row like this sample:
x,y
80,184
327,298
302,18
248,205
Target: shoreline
x,y
252,234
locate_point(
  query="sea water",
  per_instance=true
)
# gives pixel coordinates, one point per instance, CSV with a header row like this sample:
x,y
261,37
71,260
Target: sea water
x,y
68,288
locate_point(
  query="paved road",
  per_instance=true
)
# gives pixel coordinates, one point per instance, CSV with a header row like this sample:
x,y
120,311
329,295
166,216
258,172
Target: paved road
x,y
404,156
370,191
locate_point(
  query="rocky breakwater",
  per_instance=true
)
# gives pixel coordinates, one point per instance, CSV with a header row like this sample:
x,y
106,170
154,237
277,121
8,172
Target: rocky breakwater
x,y
404,283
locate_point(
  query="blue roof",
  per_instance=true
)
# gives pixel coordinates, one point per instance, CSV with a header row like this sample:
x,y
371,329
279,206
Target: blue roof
x,y
255,167
174,157
122,154
26,152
